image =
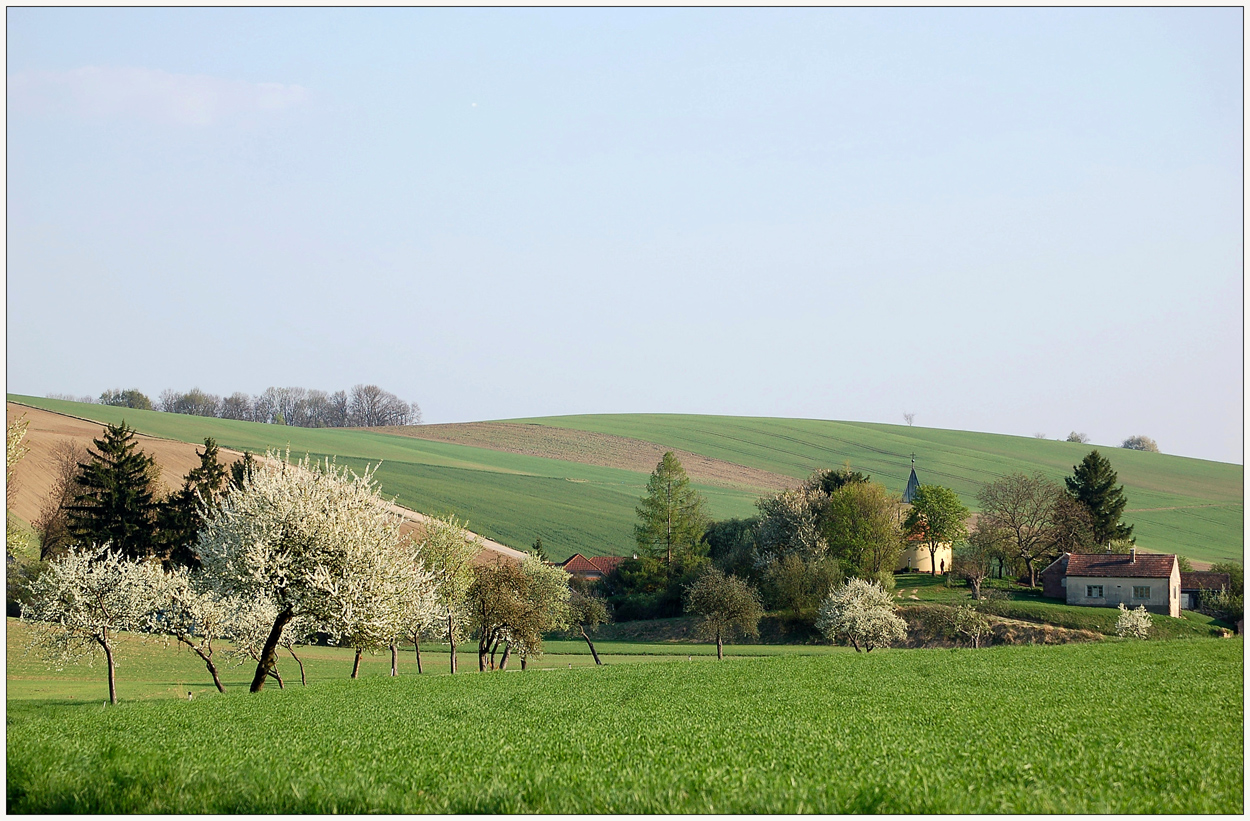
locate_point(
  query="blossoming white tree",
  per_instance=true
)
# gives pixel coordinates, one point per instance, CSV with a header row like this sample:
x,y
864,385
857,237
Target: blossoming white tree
x,y
387,592
447,552
1133,623
863,613
84,598
303,535
417,606
197,615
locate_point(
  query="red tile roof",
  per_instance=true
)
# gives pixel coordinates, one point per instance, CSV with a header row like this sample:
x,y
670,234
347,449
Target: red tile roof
x,y
1147,565
577,563
1204,580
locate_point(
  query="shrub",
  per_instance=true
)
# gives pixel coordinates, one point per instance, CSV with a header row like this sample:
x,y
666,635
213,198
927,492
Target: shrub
x,y
1133,623
863,613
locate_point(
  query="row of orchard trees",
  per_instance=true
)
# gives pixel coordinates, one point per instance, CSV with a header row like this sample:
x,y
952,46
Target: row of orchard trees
x,y
301,549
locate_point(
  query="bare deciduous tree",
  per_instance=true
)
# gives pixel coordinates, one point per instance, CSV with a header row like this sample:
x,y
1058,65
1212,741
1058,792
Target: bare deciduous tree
x,y
237,405
909,417
1024,509
52,524
369,406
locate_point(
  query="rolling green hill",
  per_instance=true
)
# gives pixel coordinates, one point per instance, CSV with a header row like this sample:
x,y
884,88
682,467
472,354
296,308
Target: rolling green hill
x,y
1189,506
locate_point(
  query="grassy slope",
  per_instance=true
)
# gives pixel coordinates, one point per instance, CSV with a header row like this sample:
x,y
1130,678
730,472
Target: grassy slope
x,y
1060,729
574,507
1207,525
507,497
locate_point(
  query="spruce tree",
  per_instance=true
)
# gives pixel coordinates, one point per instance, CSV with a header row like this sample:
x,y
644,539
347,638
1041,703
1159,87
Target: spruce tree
x,y
673,515
242,470
116,504
181,516
1092,483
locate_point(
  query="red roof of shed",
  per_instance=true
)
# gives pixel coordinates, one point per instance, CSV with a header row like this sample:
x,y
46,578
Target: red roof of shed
x,y
1204,580
577,563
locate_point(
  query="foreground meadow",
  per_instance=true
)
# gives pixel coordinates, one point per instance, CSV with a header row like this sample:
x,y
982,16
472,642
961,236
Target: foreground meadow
x,y
1108,727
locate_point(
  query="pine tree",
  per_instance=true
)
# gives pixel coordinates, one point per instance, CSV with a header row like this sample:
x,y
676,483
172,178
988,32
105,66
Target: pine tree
x,y
241,471
1092,483
117,503
538,551
673,515
181,516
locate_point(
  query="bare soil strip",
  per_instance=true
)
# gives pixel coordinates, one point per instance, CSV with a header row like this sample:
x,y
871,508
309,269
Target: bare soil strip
x,y
35,474
599,449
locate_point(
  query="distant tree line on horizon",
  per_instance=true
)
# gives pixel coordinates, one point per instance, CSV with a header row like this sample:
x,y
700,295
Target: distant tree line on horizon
x,y
364,406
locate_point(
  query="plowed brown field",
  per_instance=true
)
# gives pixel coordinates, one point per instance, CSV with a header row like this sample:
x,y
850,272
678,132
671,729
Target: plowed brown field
x,y
35,473
600,449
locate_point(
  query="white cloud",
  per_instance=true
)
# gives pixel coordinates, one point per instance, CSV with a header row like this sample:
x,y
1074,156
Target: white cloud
x,y
182,99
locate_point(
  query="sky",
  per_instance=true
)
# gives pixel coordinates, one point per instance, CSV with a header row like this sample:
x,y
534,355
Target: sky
x,y
1023,221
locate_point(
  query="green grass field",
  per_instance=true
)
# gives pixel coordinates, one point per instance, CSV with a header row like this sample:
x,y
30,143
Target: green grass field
x,y
1177,504
1112,727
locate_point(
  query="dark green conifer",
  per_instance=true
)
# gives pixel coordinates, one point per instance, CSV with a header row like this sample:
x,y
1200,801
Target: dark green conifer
x,y
1092,483
116,504
182,515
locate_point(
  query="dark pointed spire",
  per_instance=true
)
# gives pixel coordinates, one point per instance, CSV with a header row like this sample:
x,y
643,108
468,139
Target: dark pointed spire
x,y
913,484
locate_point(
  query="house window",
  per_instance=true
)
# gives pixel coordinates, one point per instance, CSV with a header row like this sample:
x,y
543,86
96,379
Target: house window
x,y
1093,591
1141,591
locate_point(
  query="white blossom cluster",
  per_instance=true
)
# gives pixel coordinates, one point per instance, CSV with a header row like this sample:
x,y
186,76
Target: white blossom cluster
x,y
83,599
863,613
318,540
1133,623
312,546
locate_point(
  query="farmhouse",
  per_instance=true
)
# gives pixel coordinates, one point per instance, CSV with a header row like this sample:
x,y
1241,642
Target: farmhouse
x,y
1150,580
590,568
1192,585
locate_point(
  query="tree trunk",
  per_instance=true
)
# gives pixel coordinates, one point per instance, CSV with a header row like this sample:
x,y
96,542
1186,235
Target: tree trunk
x,y
976,589
394,660
483,649
493,648
303,681
524,659
589,644
212,669
720,647
507,651
416,645
108,655
856,645
451,639
1032,573
269,656
932,558
356,664
278,677
208,661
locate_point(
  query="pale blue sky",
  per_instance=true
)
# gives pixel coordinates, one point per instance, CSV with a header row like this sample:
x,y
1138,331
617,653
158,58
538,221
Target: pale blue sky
x,y
1015,221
